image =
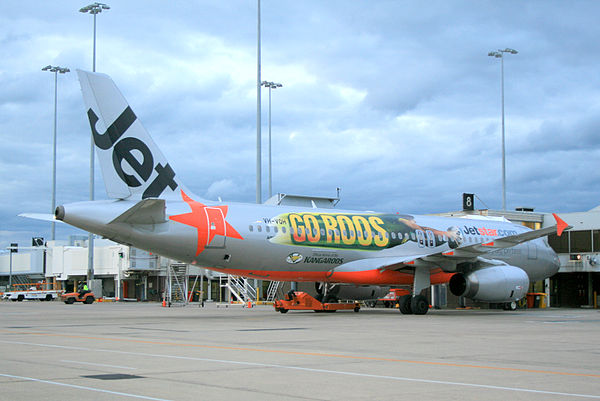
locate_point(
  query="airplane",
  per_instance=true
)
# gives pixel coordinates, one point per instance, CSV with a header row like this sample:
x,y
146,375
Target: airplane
x,y
149,208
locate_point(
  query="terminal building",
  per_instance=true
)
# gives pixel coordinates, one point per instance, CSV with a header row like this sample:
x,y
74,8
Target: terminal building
x,y
120,272
127,273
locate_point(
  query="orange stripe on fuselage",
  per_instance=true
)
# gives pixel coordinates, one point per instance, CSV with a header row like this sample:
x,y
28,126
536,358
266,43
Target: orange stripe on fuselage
x,y
366,277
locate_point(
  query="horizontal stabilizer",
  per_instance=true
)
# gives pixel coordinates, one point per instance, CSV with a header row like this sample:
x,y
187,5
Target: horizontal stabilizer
x,y
147,211
40,216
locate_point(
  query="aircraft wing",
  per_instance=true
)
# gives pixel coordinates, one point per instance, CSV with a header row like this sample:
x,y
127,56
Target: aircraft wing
x,y
448,259
475,250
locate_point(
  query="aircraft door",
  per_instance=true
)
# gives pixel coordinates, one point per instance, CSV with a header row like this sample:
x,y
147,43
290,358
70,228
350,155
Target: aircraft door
x,y
216,227
531,250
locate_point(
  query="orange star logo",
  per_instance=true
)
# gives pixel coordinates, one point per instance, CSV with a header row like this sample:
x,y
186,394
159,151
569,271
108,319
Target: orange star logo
x,y
208,220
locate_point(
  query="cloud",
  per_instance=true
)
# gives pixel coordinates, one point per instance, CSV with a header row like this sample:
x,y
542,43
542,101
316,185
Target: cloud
x,y
221,189
396,103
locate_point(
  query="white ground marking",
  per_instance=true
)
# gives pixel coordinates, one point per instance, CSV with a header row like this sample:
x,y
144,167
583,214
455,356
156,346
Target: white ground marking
x,y
334,372
82,387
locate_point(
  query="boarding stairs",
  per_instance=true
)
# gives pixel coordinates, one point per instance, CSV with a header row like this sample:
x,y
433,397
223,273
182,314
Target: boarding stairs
x,y
272,290
240,288
20,279
177,284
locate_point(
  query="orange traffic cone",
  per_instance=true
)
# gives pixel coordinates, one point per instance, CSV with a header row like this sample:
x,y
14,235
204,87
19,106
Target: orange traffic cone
x,y
164,303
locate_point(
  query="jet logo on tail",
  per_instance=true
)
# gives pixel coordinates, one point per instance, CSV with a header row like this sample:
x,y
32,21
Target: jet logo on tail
x,y
208,220
123,150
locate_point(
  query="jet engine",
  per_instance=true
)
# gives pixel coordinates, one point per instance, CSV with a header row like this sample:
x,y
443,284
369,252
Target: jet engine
x,y
491,284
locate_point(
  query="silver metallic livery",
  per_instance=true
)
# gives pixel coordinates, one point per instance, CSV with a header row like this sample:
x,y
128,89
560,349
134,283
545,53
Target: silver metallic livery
x,y
483,259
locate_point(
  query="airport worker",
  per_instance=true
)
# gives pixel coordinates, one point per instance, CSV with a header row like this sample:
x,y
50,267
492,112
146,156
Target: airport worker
x,y
84,290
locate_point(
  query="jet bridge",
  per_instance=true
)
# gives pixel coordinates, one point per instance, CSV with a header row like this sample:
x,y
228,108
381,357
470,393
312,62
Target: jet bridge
x,y
304,200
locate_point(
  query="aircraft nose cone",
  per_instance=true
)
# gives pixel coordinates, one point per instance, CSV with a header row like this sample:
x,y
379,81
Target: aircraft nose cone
x,y
555,264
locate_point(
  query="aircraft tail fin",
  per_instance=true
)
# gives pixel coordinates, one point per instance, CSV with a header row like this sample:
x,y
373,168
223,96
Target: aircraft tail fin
x,y
132,165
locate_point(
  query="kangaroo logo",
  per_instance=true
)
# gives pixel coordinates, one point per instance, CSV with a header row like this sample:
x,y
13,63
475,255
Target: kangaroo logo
x,y
294,258
123,151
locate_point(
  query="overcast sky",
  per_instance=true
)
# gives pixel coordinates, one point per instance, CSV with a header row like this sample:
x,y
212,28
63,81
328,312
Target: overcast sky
x,y
395,102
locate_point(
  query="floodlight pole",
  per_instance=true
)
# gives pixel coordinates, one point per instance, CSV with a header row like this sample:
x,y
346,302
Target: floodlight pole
x,y
500,54
270,85
55,70
10,271
94,9
258,112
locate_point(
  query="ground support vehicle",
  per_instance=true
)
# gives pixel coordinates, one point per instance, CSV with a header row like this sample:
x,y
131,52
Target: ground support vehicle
x,y
390,300
41,291
41,295
298,300
72,297
393,297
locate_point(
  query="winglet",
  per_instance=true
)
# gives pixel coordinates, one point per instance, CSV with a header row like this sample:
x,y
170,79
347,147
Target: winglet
x,y
560,224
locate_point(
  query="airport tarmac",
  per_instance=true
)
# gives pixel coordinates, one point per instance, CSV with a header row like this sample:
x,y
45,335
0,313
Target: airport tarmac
x,y
113,351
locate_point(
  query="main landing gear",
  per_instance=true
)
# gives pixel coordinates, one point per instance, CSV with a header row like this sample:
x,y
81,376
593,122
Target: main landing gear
x,y
415,303
327,293
410,305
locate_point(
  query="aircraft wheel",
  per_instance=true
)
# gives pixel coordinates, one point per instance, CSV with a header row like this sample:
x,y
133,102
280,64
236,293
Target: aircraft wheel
x,y
370,304
89,300
419,305
510,305
283,310
331,299
405,305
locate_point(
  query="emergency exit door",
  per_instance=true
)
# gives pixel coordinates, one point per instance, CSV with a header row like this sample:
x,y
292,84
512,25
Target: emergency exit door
x,y
217,229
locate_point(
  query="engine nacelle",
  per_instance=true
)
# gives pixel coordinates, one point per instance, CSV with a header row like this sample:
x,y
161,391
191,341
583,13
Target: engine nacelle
x,y
491,284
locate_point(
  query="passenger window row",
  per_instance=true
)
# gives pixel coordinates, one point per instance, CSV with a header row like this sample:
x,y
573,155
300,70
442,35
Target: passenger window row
x,y
348,234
